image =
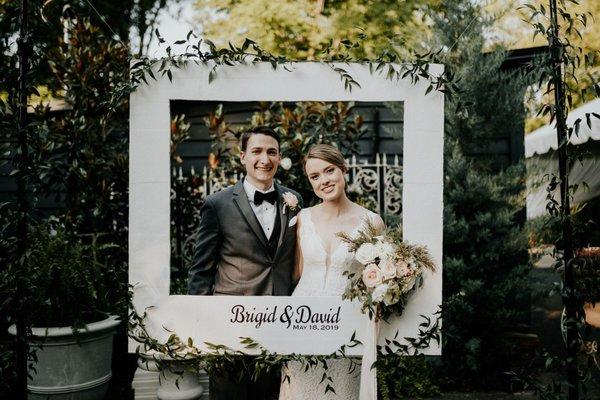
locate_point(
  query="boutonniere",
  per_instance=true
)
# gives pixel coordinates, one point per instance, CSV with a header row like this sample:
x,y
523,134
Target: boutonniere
x,y
289,201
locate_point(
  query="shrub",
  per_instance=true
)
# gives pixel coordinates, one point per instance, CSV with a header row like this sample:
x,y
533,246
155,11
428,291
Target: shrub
x,y
68,281
399,377
486,262
486,292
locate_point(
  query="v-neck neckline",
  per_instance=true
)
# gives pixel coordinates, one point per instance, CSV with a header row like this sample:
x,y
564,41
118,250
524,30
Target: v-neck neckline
x,y
341,242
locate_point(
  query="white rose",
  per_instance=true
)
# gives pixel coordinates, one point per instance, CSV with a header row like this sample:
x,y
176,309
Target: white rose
x,y
379,247
366,253
380,292
388,269
386,250
286,163
372,276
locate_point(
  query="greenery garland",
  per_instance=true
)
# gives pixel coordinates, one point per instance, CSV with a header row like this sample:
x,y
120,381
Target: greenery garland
x,y
220,358
389,62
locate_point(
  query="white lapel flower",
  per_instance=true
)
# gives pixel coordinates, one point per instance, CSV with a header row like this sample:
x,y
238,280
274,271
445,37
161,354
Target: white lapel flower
x,y
289,201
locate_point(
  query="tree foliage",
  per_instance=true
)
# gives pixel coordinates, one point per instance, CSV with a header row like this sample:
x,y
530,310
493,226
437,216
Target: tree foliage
x,y
79,157
120,21
517,29
401,377
78,161
485,248
485,269
81,154
299,29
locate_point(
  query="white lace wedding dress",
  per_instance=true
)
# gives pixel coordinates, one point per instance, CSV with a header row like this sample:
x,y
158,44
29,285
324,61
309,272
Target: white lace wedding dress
x,y
321,276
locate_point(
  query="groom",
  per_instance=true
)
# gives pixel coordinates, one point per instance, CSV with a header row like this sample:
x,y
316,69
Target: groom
x,y
246,245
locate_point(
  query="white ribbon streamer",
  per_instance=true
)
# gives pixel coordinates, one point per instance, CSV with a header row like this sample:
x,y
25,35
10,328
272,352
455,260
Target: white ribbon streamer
x,y
368,375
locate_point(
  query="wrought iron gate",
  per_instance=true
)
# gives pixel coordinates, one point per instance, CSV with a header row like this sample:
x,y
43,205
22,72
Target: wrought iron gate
x,y
380,182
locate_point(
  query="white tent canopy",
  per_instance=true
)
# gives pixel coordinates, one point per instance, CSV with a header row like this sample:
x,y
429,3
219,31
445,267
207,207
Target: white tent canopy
x,y
542,159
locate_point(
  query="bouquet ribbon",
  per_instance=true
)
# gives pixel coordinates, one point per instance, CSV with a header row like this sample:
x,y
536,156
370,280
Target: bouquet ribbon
x,y
368,375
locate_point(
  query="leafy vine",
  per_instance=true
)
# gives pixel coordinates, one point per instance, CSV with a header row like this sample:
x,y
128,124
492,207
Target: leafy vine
x,y
203,51
221,358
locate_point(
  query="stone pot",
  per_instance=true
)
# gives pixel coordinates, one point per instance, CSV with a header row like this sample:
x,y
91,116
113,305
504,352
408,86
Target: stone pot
x,y
69,367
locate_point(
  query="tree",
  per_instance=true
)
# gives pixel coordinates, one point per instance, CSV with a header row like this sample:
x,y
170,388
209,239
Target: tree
x,y
120,21
80,152
485,248
514,31
299,29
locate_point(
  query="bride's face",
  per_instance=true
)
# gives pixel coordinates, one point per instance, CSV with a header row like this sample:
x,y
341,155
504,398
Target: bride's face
x,y
326,179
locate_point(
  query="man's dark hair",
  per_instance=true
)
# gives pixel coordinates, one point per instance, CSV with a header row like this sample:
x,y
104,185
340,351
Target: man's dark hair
x,y
260,129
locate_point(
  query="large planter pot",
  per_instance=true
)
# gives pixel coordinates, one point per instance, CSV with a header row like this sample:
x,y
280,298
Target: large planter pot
x,y
69,367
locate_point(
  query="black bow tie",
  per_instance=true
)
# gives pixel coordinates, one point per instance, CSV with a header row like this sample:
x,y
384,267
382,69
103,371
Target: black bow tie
x,y
259,197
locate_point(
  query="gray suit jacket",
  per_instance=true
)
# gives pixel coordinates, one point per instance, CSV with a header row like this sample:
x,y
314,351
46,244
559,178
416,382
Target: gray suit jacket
x,y
231,256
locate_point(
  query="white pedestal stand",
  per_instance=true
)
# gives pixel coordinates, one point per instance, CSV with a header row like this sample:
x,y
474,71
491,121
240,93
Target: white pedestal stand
x,y
171,383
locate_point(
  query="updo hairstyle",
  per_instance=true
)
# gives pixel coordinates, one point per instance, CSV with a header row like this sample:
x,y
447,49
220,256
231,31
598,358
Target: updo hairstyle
x,y
328,153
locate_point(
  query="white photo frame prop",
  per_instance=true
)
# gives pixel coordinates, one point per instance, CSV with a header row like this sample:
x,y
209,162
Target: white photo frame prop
x,y
212,318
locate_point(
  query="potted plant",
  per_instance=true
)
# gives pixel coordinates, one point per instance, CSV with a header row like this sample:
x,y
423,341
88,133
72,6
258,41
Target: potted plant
x,y
68,307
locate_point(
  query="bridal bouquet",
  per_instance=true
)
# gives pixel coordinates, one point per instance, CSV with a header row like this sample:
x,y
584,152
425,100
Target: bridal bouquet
x,y
390,269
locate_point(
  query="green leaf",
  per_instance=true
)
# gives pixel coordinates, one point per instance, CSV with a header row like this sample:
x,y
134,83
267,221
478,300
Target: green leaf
x,y
329,388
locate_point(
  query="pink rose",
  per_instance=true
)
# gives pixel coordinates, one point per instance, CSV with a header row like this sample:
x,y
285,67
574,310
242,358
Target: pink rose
x,y
372,276
403,269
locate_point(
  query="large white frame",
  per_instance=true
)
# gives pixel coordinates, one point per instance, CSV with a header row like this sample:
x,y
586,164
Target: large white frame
x,y
149,196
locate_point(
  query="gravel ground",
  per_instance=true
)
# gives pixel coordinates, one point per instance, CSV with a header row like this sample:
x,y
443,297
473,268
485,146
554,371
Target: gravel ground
x,y
486,396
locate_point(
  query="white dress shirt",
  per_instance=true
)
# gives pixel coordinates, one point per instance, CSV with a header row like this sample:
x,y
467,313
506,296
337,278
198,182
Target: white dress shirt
x,y
265,212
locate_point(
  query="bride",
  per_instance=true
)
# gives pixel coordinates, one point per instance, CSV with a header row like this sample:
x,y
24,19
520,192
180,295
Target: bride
x,y
321,259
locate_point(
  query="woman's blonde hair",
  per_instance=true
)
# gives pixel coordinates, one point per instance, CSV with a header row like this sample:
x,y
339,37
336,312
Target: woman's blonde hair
x,y
326,152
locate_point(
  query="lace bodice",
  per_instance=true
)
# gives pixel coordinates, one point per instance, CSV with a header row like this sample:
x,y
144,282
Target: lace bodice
x,y
322,274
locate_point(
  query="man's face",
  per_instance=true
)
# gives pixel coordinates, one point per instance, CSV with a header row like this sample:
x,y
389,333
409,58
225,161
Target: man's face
x,y
261,159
